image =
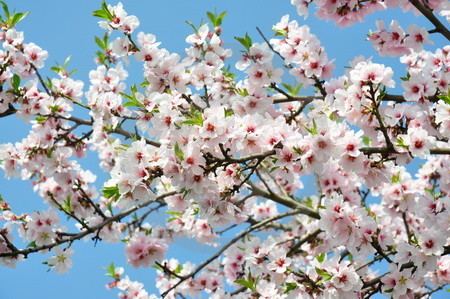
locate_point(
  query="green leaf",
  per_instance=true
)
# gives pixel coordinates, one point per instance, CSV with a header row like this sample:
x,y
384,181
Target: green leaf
x,y
401,142
289,287
100,43
105,9
293,90
101,14
32,245
366,140
5,9
242,92
245,283
445,98
321,257
228,112
323,273
178,269
297,150
279,32
67,204
54,108
178,151
406,78
145,83
246,41
173,213
193,27
216,20
194,117
226,72
312,130
211,17
110,269
273,169
395,178
16,18
15,82
40,119
132,101
112,191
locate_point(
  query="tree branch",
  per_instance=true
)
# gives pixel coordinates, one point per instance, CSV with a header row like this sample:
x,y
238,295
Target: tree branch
x,y
428,13
225,247
284,201
80,235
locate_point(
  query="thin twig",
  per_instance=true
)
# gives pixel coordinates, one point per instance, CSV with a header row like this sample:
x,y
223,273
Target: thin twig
x,y
225,247
82,234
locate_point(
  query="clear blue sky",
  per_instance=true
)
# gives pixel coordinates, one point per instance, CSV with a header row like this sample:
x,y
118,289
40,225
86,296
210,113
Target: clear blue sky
x,y
66,28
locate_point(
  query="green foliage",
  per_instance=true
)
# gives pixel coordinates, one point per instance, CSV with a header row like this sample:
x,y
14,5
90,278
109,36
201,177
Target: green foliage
x,y
194,117
109,192
279,32
321,257
445,98
293,90
289,287
104,12
216,19
110,270
249,283
62,69
11,19
132,100
103,43
15,82
246,41
326,276
178,151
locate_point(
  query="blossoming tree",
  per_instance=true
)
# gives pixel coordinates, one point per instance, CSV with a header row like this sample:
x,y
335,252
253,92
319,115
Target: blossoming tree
x,y
217,154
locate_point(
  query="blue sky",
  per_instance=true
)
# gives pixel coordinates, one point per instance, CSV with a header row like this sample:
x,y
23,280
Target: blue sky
x,y
66,28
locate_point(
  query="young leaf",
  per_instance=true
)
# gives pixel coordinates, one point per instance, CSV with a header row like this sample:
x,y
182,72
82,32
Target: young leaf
x,y
245,283
193,27
16,18
246,41
289,287
321,257
109,192
100,43
323,273
216,20
5,9
15,82
178,151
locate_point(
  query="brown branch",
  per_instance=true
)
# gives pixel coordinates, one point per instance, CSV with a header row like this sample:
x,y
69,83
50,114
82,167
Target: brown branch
x,y
225,247
302,241
290,203
385,150
40,79
8,243
11,110
270,46
428,13
89,200
404,266
119,131
81,235
387,98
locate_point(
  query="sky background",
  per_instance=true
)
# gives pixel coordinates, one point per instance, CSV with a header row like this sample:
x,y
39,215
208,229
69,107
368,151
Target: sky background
x,y
66,28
